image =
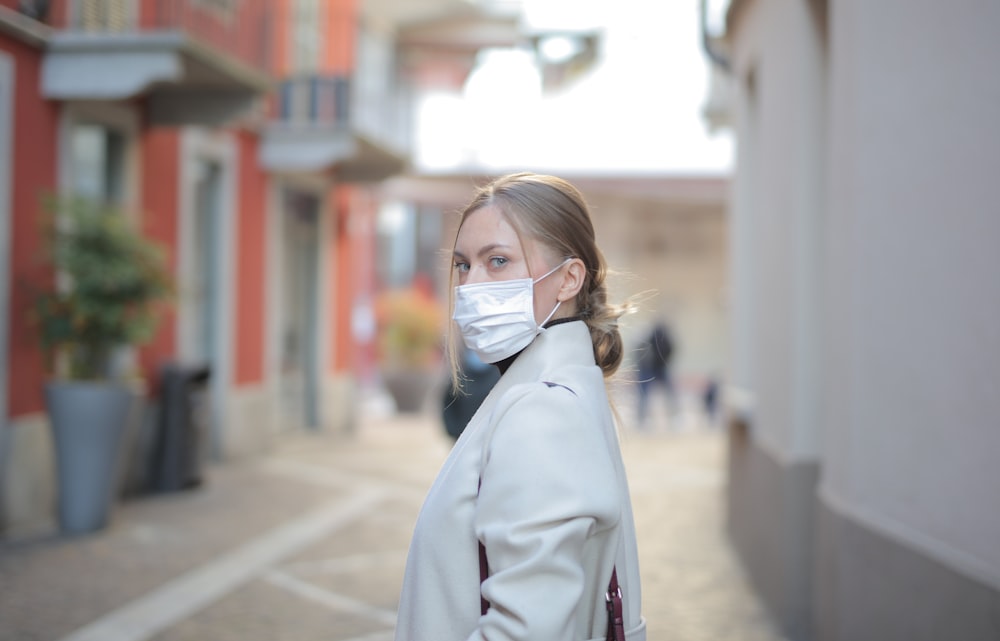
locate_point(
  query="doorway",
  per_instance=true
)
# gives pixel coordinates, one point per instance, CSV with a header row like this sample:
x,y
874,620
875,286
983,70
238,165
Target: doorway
x,y
6,205
203,298
204,287
299,346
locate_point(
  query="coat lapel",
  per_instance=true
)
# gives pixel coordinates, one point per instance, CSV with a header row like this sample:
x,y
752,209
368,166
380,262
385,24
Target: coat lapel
x,y
555,347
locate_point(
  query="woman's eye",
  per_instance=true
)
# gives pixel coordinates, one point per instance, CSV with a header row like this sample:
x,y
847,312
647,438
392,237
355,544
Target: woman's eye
x,y
497,261
461,267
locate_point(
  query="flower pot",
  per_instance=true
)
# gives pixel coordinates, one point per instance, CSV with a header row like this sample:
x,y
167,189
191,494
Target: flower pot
x,y
408,387
88,426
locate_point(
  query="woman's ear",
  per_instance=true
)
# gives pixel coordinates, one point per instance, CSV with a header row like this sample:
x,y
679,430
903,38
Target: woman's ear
x,y
573,280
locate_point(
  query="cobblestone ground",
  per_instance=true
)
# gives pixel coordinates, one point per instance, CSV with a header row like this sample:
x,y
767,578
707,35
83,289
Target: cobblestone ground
x,y
310,543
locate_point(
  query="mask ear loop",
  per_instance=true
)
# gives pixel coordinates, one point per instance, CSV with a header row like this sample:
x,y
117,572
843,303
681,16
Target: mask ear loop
x,y
541,326
550,272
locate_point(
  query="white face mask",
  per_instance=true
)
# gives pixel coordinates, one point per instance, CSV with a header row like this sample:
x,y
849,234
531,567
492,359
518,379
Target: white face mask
x,y
497,319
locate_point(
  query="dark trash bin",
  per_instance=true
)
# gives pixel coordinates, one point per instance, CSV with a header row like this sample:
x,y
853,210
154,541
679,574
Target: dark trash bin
x,y
181,427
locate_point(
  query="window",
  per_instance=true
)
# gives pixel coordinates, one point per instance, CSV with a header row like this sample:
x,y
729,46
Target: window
x,y
98,157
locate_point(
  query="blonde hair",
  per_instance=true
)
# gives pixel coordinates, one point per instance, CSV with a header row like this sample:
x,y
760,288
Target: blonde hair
x,y
554,213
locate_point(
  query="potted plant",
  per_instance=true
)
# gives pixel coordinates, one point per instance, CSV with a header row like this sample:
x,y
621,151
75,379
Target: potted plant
x,y
410,326
109,281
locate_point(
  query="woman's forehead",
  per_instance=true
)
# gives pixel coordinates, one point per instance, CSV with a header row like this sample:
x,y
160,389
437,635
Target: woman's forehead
x,y
486,226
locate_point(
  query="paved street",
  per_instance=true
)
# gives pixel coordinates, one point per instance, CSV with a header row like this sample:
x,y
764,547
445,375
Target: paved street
x,y
309,544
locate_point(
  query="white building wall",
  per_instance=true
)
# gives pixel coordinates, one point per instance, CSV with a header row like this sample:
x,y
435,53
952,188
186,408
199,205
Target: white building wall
x,y
914,287
778,219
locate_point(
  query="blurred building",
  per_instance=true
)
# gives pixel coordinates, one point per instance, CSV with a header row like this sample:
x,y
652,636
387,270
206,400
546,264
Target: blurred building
x,y
248,138
865,419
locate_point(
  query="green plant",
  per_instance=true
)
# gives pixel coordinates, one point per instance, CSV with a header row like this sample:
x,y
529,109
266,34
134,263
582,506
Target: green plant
x,y
410,328
109,281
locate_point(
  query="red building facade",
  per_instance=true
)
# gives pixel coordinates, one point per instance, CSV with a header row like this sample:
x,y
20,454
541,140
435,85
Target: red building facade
x,y
246,138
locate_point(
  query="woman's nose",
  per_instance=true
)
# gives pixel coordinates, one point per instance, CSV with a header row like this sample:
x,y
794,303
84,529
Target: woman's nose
x,y
475,275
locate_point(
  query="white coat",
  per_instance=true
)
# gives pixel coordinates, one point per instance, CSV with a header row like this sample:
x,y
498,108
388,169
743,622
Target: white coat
x,y
553,511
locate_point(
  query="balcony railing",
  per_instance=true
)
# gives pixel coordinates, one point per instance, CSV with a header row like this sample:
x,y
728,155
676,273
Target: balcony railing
x,y
326,121
341,101
239,28
316,100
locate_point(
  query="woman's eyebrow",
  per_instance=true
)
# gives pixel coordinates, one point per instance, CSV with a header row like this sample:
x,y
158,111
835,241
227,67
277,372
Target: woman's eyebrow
x,y
486,249
491,247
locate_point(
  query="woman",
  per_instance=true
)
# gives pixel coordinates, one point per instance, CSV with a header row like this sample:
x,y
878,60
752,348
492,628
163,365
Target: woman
x,y
534,488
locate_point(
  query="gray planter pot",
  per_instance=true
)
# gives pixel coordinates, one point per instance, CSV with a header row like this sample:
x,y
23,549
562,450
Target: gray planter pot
x,y
88,427
409,388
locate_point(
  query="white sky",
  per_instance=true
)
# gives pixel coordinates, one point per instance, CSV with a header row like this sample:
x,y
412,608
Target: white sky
x,y
638,109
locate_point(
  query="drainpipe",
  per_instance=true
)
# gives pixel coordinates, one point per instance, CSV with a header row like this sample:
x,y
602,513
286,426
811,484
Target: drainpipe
x,y
708,42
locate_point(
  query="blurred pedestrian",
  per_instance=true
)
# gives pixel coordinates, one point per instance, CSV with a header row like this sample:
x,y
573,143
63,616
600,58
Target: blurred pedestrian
x,y
710,399
527,533
655,356
460,404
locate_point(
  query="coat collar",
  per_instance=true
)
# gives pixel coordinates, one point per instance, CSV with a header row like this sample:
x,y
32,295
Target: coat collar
x,y
565,344
559,346
556,346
